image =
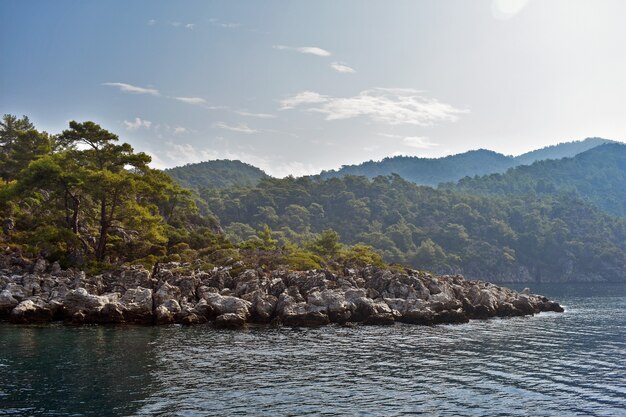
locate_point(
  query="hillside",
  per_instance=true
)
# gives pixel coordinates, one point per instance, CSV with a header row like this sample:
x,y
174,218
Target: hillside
x,y
598,175
516,238
433,171
429,171
219,174
561,150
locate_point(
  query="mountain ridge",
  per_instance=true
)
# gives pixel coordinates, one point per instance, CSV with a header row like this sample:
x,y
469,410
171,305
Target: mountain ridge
x,y
224,173
434,171
598,175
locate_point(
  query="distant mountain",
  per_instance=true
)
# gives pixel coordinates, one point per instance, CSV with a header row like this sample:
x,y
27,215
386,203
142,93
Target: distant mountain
x,y
562,150
429,171
433,171
599,175
217,174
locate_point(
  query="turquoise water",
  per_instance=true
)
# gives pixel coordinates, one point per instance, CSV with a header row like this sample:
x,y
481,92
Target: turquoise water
x,y
571,364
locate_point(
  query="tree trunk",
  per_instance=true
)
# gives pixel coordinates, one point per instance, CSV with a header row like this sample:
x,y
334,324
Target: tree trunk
x,y
76,208
104,230
72,221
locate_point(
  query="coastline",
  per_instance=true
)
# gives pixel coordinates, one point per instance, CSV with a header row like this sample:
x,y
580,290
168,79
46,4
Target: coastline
x,y
38,292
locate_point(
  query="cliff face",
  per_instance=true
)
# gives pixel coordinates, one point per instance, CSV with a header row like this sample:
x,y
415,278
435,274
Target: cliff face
x,y
39,292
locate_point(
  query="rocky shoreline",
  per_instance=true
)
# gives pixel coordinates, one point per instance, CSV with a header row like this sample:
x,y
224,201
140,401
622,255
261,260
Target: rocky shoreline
x,y
37,292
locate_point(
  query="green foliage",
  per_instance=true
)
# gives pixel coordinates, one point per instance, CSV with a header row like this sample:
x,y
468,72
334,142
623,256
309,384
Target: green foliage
x,y
217,174
300,259
359,256
598,175
84,199
536,237
12,137
327,244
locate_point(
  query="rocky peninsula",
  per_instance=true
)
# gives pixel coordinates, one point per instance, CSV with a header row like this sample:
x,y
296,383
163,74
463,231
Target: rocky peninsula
x,y
39,292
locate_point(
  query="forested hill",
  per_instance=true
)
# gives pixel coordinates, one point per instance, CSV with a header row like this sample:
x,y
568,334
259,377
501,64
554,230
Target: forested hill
x,y
429,171
598,175
219,173
522,238
433,171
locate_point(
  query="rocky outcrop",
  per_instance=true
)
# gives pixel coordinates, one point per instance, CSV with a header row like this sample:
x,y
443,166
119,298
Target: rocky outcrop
x,y
39,292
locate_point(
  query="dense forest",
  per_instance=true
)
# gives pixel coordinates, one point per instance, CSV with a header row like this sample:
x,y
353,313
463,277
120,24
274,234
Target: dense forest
x,y
433,171
84,199
547,238
598,175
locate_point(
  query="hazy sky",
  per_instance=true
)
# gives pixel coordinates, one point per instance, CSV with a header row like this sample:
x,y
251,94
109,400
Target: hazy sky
x,y
298,86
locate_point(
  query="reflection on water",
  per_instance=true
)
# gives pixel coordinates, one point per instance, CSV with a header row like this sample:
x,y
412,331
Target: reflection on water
x,y
553,364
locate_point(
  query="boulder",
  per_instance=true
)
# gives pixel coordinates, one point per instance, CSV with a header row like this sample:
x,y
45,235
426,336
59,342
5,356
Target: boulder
x,y
163,316
263,306
229,321
137,305
7,303
33,310
17,291
80,301
523,304
228,304
165,293
202,308
292,312
191,319
334,303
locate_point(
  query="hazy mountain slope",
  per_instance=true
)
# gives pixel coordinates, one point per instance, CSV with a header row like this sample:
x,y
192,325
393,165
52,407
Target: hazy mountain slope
x,y
429,171
598,175
219,174
433,171
562,150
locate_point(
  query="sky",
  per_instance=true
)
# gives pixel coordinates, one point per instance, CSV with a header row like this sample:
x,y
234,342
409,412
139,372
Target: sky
x,y
296,87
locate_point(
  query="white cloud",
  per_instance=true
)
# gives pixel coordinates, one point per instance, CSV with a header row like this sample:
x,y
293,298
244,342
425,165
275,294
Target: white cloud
x,y
418,142
190,26
227,25
179,129
305,97
258,115
137,124
506,9
191,100
312,50
129,88
339,67
240,128
152,22
382,105
179,154
185,153
295,168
